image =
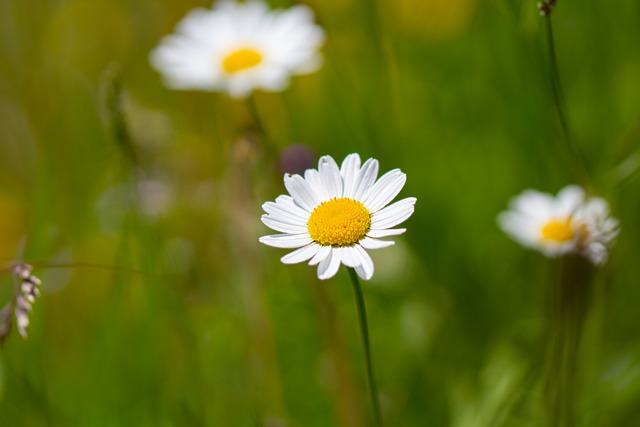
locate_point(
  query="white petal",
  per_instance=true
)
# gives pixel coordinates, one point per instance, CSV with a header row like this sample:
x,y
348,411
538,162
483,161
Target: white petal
x,y
286,210
349,170
302,193
239,86
301,254
366,178
197,25
287,219
384,190
533,203
312,176
521,228
595,207
385,233
330,176
283,226
365,270
311,65
350,256
569,199
393,214
369,243
323,252
287,201
288,241
271,78
329,266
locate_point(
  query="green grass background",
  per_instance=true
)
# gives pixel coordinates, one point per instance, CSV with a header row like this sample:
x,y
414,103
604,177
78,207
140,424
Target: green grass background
x,y
216,331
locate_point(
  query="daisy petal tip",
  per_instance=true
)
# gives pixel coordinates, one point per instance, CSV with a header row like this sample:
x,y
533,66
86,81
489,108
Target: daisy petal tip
x,y
287,259
364,274
326,275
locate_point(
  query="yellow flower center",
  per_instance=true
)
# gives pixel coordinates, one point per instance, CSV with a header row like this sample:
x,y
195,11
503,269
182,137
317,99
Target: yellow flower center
x,y
339,222
241,59
558,230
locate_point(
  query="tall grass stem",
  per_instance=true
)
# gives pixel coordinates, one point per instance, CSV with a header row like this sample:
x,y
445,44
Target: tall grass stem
x,y
578,160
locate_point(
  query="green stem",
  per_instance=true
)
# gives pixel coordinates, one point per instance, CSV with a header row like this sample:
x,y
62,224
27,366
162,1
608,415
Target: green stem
x,y
258,124
364,332
570,305
581,171
113,99
255,115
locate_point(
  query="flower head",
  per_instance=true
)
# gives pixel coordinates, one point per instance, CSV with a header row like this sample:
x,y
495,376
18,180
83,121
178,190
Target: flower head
x,y
571,222
238,47
333,215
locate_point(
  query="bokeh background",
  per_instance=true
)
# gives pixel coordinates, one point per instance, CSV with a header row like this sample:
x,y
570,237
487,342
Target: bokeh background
x,y
197,324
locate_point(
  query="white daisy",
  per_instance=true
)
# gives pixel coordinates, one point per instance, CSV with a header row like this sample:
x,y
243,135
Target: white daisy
x,y
238,47
568,223
333,215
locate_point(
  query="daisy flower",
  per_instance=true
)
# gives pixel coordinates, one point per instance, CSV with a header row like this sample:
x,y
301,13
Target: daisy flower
x,y
571,222
238,47
334,215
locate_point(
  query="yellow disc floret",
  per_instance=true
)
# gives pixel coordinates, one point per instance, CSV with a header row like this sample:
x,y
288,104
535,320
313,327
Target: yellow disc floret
x,y
241,59
558,230
339,222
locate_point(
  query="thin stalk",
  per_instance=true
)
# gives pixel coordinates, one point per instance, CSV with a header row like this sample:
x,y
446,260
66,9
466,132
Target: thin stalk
x,y
113,103
570,305
255,115
259,128
580,166
364,332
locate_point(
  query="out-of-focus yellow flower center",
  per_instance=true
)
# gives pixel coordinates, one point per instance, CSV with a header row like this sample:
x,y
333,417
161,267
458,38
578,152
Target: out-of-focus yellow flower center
x,y
339,222
241,59
558,230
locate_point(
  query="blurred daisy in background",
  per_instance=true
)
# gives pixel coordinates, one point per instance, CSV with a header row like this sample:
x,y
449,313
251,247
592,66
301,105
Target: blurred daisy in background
x,y
239,47
333,215
571,222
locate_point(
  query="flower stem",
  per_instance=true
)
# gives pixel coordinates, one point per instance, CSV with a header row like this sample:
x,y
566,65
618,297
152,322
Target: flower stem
x,y
255,115
259,128
580,168
364,332
570,306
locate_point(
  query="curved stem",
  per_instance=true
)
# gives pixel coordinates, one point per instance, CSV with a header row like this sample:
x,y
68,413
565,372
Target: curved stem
x,y
364,332
581,171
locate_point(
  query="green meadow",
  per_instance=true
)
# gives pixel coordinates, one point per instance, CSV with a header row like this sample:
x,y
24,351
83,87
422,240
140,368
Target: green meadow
x,y
139,207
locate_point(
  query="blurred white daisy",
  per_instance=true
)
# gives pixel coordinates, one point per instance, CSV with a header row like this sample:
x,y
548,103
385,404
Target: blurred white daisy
x,y
571,222
333,215
238,47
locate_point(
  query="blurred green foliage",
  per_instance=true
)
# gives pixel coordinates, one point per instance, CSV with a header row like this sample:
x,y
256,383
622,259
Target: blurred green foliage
x,y
216,331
